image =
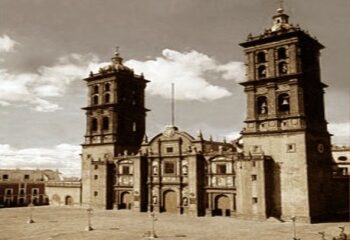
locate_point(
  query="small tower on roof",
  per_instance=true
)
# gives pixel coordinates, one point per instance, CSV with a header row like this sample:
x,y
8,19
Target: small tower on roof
x,y
117,59
280,20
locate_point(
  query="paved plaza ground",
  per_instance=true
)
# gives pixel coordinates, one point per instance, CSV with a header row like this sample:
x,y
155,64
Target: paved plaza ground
x,y
68,223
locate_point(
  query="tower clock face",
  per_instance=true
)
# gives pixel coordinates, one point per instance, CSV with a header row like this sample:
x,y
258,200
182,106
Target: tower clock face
x,y
320,147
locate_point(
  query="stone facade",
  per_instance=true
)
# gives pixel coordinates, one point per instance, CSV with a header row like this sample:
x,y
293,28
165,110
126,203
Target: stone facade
x,y
63,193
282,166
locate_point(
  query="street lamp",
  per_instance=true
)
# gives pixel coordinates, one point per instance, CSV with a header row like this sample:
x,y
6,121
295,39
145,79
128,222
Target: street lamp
x,y
89,214
153,232
323,234
294,229
30,220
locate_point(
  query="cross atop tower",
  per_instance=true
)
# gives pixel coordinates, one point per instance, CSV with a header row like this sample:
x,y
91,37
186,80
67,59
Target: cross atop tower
x,y
116,53
281,3
280,9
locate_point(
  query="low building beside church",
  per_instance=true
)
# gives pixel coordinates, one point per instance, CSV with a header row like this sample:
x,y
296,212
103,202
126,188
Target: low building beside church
x,y
19,187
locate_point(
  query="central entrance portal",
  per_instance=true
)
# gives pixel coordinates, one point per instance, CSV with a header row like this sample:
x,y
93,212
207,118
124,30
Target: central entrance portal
x,y
222,206
126,200
170,202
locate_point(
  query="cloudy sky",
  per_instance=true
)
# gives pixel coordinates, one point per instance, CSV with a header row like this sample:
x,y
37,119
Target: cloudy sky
x,y
47,47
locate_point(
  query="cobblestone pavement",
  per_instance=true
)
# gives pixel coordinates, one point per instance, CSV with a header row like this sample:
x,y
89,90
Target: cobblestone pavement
x,y
68,223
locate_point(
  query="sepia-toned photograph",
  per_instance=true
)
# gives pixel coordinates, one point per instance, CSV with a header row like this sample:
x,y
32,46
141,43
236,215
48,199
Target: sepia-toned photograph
x,y
174,119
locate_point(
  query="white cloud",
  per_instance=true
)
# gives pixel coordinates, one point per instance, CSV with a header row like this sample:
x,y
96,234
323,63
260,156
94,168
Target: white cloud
x,y
49,81
64,157
341,133
42,105
233,71
191,72
233,135
7,44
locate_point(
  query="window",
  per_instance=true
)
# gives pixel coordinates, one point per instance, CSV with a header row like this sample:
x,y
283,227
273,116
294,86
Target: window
x,y
291,147
282,68
262,72
26,177
21,192
95,193
107,87
95,177
134,127
256,148
5,177
261,57
105,123
253,163
283,103
95,167
35,191
281,53
94,124
169,149
254,200
125,170
262,105
221,168
107,98
342,158
254,177
169,168
96,89
95,100
8,191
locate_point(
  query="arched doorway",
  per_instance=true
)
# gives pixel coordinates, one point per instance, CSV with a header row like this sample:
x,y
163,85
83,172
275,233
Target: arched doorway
x,y
222,206
55,200
68,201
126,201
170,202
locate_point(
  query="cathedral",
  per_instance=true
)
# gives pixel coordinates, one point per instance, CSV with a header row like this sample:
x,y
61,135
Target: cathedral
x,y
281,166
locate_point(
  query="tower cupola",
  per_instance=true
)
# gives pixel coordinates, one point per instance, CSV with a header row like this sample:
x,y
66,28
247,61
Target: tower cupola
x,y
280,20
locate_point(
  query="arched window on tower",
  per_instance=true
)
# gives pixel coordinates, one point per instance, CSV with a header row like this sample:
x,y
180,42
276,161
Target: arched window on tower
x,y
281,53
262,72
282,68
261,57
262,105
105,123
96,89
107,87
134,128
107,98
94,124
283,103
95,99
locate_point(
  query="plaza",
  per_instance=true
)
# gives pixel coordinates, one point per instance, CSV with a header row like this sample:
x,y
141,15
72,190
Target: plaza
x,y
70,223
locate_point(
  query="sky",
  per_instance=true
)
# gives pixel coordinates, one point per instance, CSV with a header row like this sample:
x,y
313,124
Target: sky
x,y
47,47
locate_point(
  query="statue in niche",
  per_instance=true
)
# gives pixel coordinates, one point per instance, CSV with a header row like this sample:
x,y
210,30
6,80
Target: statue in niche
x,y
185,201
184,170
155,170
154,200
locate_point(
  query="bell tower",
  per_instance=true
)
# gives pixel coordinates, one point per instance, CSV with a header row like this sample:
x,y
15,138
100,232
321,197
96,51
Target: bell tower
x,y
115,125
285,117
